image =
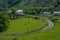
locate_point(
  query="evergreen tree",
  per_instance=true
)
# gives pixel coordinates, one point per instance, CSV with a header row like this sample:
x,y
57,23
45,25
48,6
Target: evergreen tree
x,y
3,22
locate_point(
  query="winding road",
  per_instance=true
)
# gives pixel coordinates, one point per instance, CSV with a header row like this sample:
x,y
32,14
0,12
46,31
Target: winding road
x,y
48,27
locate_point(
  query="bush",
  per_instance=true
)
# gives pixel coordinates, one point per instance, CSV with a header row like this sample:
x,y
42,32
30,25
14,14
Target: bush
x,y
3,22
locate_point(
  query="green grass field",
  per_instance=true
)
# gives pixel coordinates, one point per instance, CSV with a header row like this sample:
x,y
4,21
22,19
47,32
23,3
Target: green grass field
x,y
22,24
53,34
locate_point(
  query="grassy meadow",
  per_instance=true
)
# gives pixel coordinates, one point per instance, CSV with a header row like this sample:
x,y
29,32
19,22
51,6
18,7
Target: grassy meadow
x,y
53,34
22,24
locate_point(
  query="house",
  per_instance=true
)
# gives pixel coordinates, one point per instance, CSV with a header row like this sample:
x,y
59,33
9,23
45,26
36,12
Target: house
x,y
16,13
56,13
47,13
19,12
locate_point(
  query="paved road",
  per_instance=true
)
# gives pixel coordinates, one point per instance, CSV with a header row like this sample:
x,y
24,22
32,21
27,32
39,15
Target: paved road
x,y
49,26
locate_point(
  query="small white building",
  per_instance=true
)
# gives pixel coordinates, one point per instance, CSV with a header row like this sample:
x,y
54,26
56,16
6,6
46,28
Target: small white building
x,y
47,13
56,13
19,12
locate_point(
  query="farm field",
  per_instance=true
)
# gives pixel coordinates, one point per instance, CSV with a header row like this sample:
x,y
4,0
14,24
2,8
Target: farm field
x,y
53,34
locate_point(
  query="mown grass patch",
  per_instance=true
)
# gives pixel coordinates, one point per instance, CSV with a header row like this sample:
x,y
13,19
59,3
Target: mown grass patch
x,y
22,24
53,34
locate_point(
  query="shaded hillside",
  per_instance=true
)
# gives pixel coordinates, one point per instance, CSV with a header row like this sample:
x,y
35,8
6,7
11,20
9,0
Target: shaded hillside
x,y
3,4
20,4
35,3
43,2
8,3
13,2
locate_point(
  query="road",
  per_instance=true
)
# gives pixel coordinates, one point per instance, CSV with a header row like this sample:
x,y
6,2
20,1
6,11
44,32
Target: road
x,y
48,27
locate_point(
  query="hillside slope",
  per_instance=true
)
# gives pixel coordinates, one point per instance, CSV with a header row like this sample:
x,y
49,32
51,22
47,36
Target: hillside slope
x,y
24,3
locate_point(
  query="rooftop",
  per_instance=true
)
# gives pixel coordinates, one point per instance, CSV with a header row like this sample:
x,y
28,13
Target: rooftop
x,y
19,11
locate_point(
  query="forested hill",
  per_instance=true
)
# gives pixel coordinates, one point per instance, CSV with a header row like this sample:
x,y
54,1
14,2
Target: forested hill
x,y
45,2
24,3
9,3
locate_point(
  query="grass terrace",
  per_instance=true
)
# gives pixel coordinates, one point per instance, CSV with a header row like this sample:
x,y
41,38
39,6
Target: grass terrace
x,y
23,24
53,34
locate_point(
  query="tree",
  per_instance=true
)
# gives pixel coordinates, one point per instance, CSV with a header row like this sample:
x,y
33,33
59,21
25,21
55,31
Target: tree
x,y
3,22
13,14
57,5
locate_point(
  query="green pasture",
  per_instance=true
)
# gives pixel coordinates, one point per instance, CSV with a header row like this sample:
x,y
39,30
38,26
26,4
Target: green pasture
x,y
24,24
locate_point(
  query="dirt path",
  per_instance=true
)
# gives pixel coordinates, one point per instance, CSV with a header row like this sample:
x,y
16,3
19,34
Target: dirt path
x,y
48,27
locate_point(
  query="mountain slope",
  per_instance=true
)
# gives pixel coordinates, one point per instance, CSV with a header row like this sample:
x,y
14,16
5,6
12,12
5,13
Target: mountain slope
x,y
8,3
24,3
45,2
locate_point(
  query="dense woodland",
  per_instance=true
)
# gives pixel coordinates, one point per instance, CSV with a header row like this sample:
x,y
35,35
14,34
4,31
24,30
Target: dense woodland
x,y
46,4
